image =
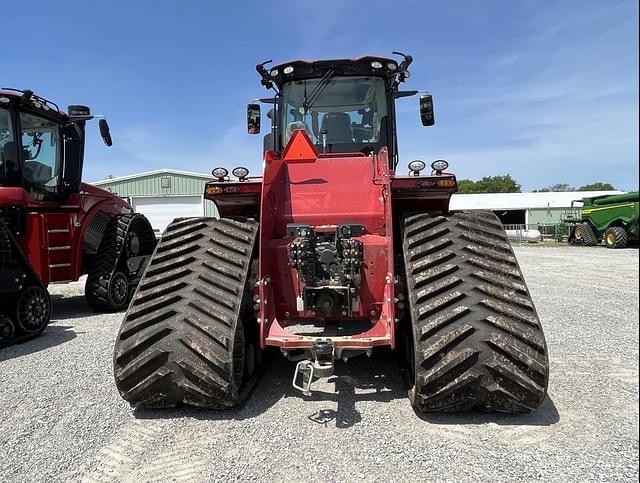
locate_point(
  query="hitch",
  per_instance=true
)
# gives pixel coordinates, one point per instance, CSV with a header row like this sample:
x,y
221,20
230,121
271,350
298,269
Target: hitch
x,y
320,366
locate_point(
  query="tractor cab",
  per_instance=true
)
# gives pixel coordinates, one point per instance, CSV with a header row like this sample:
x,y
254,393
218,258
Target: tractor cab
x,y
344,106
53,227
41,147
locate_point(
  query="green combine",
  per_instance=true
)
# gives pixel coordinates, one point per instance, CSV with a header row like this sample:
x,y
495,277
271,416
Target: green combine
x,y
610,218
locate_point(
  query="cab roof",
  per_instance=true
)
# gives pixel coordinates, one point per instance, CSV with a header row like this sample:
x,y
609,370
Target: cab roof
x,y
26,99
305,69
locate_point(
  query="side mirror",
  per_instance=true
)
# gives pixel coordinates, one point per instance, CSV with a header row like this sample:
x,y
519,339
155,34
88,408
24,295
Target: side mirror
x,y
426,110
103,125
253,118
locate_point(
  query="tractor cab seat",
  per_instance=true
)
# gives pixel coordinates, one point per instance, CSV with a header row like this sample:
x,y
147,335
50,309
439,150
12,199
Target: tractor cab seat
x,y
338,127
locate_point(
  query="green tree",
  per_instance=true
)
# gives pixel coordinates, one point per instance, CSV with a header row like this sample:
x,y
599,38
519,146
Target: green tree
x,y
558,187
598,186
490,184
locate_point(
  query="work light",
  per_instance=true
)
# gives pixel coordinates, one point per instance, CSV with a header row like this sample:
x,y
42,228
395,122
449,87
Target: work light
x,y
439,165
416,166
240,172
288,70
376,65
220,173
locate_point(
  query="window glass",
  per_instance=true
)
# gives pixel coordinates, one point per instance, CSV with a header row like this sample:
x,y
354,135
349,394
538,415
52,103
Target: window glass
x,y
348,113
6,137
40,154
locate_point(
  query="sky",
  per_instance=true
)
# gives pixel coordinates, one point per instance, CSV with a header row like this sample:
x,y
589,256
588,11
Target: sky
x,y
546,91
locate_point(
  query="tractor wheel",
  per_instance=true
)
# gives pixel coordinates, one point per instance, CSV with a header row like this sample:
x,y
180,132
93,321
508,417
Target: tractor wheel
x,y
476,340
190,335
33,310
616,237
108,289
583,236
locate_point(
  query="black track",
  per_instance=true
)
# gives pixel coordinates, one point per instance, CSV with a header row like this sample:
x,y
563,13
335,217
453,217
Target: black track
x,y
15,298
187,329
478,339
583,236
111,258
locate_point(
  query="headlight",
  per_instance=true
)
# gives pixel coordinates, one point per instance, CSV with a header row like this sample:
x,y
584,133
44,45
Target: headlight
x,y
416,166
219,173
240,172
439,165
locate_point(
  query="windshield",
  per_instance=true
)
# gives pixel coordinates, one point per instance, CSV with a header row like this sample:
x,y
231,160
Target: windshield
x,y
347,114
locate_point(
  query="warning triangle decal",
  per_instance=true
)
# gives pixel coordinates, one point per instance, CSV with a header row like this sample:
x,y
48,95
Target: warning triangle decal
x,y
300,148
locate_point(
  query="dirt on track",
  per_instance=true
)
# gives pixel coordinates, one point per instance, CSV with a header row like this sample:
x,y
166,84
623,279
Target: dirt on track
x,y
62,418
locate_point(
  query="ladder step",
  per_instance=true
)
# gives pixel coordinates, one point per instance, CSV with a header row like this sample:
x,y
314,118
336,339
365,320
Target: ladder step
x,y
58,249
58,230
60,265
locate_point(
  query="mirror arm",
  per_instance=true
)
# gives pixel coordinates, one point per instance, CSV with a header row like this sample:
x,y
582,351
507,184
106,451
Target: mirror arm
x,y
399,94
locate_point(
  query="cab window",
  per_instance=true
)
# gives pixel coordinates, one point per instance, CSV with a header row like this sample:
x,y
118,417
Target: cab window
x,y
7,148
41,155
348,114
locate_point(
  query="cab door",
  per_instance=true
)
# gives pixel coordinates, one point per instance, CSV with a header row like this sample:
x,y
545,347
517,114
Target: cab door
x,y
51,220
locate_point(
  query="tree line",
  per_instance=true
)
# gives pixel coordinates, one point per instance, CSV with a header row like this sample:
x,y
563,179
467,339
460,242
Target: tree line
x,y
506,184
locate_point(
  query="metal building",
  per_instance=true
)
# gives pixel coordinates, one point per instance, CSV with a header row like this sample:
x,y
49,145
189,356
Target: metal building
x,y
540,211
163,195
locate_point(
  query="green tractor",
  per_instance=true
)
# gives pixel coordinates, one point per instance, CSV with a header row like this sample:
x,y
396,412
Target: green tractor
x,y
610,218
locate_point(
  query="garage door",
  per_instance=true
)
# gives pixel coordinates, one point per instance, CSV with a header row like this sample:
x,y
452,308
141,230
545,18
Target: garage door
x,y
161,210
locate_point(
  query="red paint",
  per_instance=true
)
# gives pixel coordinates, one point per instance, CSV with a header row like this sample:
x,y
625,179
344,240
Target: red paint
x,y
326,191
74,213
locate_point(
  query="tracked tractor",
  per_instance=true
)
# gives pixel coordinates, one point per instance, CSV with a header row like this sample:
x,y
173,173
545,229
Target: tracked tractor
x,y
53,227
333,252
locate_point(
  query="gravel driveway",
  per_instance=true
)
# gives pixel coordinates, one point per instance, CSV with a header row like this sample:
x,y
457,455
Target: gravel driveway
x,y
62,419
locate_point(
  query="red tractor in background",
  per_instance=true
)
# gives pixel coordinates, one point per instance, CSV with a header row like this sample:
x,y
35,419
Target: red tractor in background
x,y
53,227
330,254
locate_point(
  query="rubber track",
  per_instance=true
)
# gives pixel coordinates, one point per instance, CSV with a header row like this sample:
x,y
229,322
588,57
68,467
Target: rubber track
x,y
106,262
11,256
588,237
478,339
176,343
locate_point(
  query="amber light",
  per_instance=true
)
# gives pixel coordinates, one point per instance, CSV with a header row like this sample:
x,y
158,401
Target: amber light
x,y
214,190
446,183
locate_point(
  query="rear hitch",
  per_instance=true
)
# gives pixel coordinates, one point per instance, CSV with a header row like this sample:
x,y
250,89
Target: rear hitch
x,y
320,366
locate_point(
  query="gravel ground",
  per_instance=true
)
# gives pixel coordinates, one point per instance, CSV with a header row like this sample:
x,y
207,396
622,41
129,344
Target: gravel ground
x,y
62,418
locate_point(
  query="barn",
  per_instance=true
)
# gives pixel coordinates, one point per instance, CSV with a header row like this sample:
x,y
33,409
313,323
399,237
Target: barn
x,y
163,195
530,209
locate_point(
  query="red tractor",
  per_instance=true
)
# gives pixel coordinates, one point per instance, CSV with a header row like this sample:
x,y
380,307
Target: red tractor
x,y
330,254
53,227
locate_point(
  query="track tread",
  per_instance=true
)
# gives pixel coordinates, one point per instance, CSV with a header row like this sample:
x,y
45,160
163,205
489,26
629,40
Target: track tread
x,y
479,343
189,311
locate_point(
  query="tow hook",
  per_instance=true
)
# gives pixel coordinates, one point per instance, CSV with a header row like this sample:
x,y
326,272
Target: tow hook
x,y
320,366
